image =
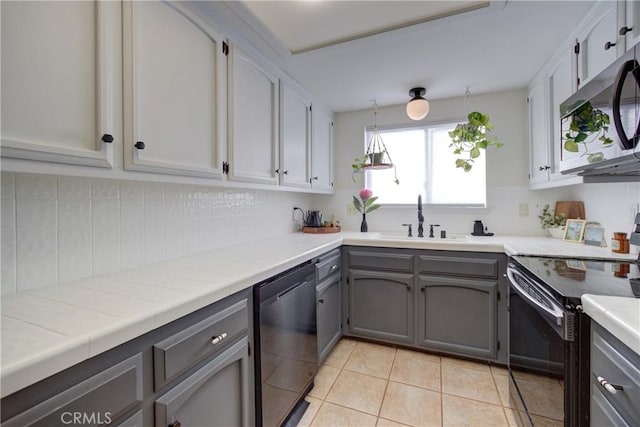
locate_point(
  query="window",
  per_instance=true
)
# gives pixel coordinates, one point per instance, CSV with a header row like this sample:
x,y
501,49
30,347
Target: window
x,y
426,165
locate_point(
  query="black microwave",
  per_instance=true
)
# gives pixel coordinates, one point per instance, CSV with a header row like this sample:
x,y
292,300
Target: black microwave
x,y
600,124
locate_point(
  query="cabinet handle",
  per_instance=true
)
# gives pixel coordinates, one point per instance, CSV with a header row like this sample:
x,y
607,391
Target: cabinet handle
x,y
608,45
408,287
544,168
286,172
277,170
139,145
216,340
107,138
624,30
315,178
321,301
333,268
175,424
611,388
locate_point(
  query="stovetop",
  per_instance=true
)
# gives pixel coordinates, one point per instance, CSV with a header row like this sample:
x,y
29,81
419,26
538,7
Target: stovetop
x,y
572,278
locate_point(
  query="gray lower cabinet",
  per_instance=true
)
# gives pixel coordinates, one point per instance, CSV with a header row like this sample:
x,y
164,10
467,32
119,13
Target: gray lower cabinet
x,y
100,399
196,370
329,315
458,315
381,305
615,381
215,395
445,301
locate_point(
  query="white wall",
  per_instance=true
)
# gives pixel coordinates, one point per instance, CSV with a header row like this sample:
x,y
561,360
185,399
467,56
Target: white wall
x,y
56,229
507,168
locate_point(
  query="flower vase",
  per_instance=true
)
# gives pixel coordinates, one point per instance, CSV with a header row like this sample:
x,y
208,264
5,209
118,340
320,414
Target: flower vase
x,y
363,226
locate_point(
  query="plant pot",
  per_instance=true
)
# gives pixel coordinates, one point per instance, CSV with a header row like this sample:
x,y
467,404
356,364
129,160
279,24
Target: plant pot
x,y
556,232
376,158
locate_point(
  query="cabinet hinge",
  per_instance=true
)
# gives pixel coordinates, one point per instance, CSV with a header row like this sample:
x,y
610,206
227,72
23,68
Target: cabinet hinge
x,y
347,279
576,48
225,168
498,295
310,107
498,345
225,48
348,321
249,349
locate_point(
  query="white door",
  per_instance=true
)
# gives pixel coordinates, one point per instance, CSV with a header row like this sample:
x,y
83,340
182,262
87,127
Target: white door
x,y
253,120
595,55
538,134
321,150
58,81
295,132
175,72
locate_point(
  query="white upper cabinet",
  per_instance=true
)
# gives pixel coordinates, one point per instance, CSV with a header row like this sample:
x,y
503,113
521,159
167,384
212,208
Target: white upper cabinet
x,y
295,136
630,23
321,150
599,43
58,81
538,133
253,119
174,85
560,86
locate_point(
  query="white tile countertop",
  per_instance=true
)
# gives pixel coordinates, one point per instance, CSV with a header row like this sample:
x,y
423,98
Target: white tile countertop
x,y
618,315
47,330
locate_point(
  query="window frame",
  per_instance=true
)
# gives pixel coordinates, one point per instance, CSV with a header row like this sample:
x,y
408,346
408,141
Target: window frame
x,y
466,208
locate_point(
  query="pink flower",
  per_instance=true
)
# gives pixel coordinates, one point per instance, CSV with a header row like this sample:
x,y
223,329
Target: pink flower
x,y
365,194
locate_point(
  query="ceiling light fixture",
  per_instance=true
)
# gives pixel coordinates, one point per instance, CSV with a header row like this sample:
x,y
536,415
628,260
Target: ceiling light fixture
x,y
418,107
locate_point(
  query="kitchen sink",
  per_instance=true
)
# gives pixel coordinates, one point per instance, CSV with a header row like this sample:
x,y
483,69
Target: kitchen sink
x,y
404,237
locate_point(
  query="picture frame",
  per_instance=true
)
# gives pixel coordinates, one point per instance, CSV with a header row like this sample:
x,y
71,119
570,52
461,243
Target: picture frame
x,y
574,230
594,236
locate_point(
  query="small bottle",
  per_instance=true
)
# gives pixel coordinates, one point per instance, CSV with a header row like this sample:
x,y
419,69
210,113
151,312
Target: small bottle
x,y
620,243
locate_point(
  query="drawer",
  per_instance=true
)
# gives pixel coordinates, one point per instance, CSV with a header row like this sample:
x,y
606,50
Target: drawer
x,y
97,400
617,364
327,267
176,354
388,261
458,266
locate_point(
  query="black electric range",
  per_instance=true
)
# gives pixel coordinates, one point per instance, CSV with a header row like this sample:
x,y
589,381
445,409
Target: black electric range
x,y
549,334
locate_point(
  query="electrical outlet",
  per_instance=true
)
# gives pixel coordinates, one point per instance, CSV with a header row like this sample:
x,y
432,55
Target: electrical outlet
x,y
523,209
351,210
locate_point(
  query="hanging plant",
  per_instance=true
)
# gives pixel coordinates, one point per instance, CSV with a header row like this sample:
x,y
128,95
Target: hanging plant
x,y
587,124
471,137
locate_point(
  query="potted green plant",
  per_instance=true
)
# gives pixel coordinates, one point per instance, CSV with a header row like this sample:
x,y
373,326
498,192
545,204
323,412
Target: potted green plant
x,y
553,224
471,137
587,124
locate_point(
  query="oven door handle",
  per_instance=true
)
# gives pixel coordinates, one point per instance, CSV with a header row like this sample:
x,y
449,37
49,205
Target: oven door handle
x,y
555,312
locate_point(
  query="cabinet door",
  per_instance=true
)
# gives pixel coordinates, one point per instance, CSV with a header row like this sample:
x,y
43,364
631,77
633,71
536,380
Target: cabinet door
x,y
295,134
632,20
560,85
594,55
58,81
218,394
253,120
538,134
175,71
98,400
458,315
328,315
381,305
321,150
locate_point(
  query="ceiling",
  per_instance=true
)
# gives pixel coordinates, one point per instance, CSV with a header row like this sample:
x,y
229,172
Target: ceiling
x,y
350,53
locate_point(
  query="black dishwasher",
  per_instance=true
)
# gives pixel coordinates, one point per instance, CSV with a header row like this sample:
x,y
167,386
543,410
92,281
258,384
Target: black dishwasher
x,y
286,357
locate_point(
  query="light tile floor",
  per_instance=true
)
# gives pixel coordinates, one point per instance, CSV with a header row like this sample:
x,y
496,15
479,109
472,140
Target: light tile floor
x,y
364,384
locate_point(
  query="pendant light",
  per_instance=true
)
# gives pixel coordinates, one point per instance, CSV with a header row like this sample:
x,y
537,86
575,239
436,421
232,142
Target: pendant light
x,y
418,107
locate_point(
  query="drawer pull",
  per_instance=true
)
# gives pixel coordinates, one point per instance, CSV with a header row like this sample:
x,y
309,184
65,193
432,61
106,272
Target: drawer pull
x,y
611,388
175,424
216,340
333,268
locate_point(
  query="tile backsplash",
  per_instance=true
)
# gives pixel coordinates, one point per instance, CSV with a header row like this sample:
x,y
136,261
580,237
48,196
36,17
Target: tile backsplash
x,y
56,229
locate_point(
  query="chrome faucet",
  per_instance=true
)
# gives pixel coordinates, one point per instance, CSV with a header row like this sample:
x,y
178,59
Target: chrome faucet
x,y
420,217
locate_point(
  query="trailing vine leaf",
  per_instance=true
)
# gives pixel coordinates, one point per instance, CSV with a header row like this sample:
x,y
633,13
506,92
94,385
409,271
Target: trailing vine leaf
x,y
469,138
